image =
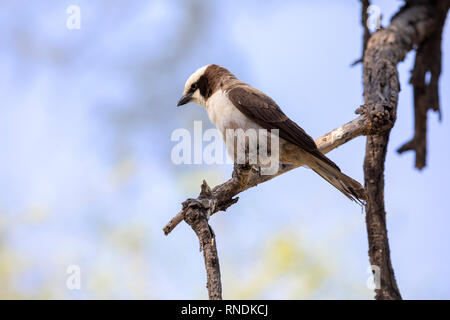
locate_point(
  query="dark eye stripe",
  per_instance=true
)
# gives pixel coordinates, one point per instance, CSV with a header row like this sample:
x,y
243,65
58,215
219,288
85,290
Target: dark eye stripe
x,y
193,87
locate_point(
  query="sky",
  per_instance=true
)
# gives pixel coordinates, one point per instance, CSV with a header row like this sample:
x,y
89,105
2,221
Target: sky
x,y
87,179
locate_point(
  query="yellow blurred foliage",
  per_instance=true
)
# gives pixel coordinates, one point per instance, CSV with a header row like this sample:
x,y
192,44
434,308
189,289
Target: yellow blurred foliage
x,y
282,264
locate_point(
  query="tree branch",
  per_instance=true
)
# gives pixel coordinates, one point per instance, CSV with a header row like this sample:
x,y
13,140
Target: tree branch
x,y
426,91
196,214
412,25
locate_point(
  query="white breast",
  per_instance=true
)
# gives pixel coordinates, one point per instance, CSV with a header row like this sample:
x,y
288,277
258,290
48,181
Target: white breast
x,y
225,115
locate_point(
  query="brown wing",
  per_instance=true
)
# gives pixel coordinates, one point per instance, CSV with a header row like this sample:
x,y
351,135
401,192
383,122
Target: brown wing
x,y
264,111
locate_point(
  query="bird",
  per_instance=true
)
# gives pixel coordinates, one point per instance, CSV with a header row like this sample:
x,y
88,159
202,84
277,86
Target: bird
x,y
234,104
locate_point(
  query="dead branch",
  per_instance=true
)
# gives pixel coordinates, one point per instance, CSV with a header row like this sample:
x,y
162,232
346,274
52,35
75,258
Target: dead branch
x,y
413,25
426,91
196,214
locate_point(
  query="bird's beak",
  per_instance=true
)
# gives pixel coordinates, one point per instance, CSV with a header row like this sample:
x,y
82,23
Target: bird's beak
x,y
184,99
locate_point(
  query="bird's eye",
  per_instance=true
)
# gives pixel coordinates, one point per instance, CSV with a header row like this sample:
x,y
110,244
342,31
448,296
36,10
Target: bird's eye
x,y
194,86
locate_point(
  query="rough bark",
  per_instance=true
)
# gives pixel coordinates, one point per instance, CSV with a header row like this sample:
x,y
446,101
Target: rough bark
x,y
413,25
426,91
196,214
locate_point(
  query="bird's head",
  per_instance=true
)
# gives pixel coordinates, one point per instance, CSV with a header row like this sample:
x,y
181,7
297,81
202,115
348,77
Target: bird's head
x,y
195,87
203,83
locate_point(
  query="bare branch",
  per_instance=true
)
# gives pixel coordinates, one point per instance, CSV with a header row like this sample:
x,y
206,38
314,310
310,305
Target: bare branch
x,y
196,214
426,91
412,25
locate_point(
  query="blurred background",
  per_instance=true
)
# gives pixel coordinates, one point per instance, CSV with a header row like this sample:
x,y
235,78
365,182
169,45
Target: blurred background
x,y
86,177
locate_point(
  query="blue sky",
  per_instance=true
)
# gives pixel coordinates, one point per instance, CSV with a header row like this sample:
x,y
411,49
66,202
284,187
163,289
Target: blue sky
x,y
86,120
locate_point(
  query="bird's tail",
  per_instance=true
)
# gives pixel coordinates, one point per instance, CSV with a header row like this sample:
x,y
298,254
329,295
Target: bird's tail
x,y
326,168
